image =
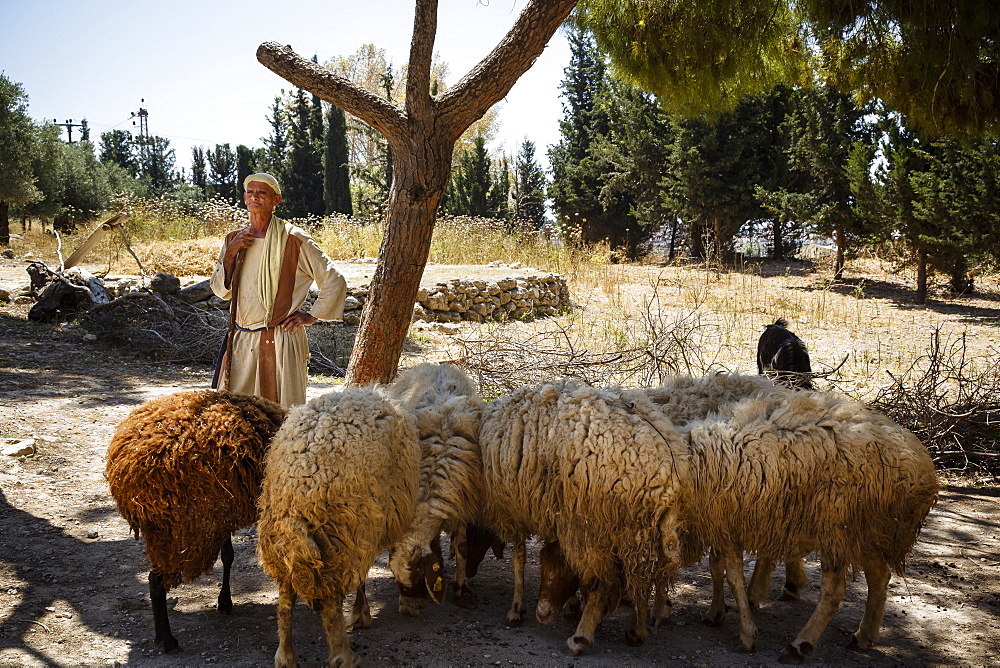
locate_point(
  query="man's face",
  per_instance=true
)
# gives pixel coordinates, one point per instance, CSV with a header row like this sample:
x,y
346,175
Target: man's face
x,y
260,198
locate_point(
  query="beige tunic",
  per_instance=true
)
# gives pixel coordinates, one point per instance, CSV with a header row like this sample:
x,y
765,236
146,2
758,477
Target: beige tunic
x,y
291,350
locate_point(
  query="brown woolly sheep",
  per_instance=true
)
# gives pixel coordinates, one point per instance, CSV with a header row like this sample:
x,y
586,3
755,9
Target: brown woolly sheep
x,y
447,409
185,471
340,486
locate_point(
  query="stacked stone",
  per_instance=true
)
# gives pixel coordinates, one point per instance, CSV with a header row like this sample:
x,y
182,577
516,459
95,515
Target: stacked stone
x,y
479,300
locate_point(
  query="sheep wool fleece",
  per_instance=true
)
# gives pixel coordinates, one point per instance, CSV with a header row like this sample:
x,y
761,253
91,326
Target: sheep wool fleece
x,y
185,472
575,464
340,484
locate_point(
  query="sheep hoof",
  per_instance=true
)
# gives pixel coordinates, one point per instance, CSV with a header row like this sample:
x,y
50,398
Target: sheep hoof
x,y
464,598
577,644
515,617
796,655
169,644
790,592
859,644
345,660
225,605
634,639
715,620
744,648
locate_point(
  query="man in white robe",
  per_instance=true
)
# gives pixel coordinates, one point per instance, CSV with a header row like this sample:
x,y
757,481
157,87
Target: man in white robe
x,y
269,268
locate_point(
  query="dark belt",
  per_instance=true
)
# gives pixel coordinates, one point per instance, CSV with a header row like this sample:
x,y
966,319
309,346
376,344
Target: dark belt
x,y
259,329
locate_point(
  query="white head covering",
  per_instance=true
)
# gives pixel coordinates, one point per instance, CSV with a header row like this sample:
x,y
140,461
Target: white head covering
x,y
263,178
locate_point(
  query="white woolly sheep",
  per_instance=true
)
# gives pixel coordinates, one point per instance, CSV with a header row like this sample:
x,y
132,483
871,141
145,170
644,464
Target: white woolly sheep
x,y
791,472
574,464
340,486
447,409
185,471
686,398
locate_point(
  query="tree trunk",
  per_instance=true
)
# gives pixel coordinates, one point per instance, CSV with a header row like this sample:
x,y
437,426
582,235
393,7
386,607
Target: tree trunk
x,y
921,276
4,223
419,179
778,246
841,238
422,137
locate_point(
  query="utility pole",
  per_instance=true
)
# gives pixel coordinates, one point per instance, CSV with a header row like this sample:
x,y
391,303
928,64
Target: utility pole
x,y
69,125
143,139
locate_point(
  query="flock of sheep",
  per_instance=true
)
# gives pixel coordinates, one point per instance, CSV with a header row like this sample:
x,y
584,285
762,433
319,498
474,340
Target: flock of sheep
x,y
624,486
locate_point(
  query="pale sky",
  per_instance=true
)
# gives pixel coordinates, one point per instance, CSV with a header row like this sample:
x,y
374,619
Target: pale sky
x,y
194,64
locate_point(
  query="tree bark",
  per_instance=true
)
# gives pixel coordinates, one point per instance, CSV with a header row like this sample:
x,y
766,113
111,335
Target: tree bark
x,y
921,276
421,137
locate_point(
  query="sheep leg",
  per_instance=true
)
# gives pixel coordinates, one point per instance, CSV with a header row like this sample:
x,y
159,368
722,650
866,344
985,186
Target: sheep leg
x,y
515,616
158,601
717,611
760,581
596,601
636,634
877,576
795,579
225,598
831,591
734,574
339,648
361,614
462,594
663,608
284,657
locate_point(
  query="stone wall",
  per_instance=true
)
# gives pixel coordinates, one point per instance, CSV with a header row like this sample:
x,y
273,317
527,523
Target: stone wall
x,y
478,300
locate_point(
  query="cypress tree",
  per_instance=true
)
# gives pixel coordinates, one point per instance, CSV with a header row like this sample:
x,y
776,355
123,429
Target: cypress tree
x,y
336,164
529,187
302,173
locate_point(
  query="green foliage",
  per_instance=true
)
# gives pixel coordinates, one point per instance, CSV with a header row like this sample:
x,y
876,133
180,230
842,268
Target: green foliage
x,y
956,200
199,169
302,172
336,164
937,63
829,146
473,189
248,161
222,172
529,187
697,56
276,143
579,171
117,147
18,146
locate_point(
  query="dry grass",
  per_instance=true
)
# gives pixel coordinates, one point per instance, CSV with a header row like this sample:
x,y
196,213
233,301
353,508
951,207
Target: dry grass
x,y
635,322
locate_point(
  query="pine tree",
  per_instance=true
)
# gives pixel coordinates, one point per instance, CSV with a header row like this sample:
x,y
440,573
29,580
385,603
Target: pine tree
x,y
826,134
336,164
158,167
199,169
529,187
474,189
302,185
577,173
117,147
276,144
248,161
222,172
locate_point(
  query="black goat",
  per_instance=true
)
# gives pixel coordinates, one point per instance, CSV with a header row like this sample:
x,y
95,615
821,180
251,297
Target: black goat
x,y
783,356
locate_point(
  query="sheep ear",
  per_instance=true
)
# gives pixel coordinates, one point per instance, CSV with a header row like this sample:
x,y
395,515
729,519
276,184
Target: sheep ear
x,y
434,576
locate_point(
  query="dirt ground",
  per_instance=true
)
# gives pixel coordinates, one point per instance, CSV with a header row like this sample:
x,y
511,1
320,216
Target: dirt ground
x,y
73,580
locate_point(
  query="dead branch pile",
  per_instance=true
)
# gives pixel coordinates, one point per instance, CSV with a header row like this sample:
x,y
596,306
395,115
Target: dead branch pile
x,y
501,362
952,403
159,325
